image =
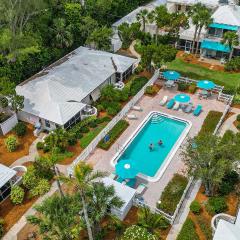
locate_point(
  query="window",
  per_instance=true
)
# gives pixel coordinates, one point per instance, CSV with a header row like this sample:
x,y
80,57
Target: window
x,y
47,123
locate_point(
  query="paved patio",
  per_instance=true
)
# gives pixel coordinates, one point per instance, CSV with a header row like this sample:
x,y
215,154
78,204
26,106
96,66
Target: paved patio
x,y
100,159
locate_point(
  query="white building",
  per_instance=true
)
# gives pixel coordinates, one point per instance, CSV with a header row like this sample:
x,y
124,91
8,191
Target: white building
x,y
60,94
227,227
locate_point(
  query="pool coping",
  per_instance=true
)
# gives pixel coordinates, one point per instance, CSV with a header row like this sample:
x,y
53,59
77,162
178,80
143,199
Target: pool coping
x,y
170,155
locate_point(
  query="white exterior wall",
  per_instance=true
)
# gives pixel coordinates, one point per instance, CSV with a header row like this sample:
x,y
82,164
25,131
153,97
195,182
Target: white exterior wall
x,y
27,117
9,124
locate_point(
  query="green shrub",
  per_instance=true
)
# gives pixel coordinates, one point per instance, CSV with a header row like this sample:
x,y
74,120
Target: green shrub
x,y
188,231
112,111
195,207
46,148
93,124
11,143
1,227
30,178
116,131
182,86
205,227
44,167
192,88
216,205
100,108
137,233
150,90
137,84
84,129
99,120
40,145
139,69
210,122
17,195
228,183
172,194
20,129
41,188
238,126
124,94
106,119
238,117
233,65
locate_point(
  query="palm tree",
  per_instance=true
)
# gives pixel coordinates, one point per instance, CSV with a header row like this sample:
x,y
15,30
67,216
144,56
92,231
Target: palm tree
x,y
142,16
230,39
101,199
205,20
62,34
151,221
84,176
161,17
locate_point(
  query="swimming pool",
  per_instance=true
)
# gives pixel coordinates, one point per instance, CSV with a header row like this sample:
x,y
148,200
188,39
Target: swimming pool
x,y
156,126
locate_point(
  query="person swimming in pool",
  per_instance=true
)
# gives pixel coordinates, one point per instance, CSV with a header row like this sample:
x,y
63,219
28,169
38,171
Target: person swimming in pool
x,y
160,142
151,146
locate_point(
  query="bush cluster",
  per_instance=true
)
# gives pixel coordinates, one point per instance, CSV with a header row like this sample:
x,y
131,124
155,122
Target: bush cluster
x,y
137,84
11,143
20,129
228,183
192,88
210,122
233,65
188,231
17,195
216,205
172,194
182,87
114,134
195,207
151,90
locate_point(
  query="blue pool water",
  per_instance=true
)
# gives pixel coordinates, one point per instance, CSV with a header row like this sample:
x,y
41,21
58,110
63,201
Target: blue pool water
x,y
148,162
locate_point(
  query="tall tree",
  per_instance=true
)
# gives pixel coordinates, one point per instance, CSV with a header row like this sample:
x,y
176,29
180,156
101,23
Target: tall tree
x,y
142,17
83,180
208,158
230,39
205,20
100,38
62,34
58,218
101,199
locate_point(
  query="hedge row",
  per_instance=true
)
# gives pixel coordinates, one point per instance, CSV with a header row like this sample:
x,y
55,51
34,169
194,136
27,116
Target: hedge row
x,y
210,122
114,134
172,194
188,231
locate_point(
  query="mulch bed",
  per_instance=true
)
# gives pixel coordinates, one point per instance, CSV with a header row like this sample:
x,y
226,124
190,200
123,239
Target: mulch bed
x,y
8,158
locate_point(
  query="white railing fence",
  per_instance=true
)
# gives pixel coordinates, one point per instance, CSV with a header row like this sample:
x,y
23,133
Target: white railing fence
x,y
89,149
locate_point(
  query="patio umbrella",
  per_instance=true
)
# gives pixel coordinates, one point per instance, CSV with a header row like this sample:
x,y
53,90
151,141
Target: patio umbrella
x,y
126,169
206,84
171,75
182,98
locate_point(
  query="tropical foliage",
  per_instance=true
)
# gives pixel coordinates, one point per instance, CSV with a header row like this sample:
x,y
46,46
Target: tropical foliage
x,y
17,194
11,143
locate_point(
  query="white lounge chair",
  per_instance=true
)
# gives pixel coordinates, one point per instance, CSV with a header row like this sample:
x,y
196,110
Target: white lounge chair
x,y
176,106
131,116
140,189
137,108
164,100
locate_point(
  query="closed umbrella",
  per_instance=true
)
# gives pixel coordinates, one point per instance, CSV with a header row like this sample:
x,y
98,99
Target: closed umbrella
x,y
126,169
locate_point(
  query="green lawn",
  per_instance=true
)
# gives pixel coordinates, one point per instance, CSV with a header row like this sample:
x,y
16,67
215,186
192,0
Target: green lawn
x,y
229,80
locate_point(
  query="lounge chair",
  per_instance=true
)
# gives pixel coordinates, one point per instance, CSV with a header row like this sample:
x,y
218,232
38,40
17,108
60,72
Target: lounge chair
x,y
141,188
189,108
176,106
197,110
131,116
137,108
164,100
171,103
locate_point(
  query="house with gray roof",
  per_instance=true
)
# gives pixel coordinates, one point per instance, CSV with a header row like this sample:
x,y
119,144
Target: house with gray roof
x,y
61,94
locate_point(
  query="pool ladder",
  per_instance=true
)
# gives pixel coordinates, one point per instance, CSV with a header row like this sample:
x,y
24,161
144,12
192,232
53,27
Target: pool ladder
x,y
157,118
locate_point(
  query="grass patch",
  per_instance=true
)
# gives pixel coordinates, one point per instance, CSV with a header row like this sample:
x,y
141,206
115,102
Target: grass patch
x,y
205,227
61,156
116,131
172,194
88,137
188,231
210,122
197,72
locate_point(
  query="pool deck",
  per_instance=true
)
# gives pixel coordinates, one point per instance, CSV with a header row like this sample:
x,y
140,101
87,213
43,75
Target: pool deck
x,y
100,159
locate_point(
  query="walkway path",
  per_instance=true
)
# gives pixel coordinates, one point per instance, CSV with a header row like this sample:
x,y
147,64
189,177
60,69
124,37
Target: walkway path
x,y
133,52
228,124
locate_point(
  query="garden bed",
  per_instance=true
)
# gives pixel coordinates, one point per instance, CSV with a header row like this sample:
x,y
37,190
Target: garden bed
x,y
8,158
172,194
114,134
202,221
